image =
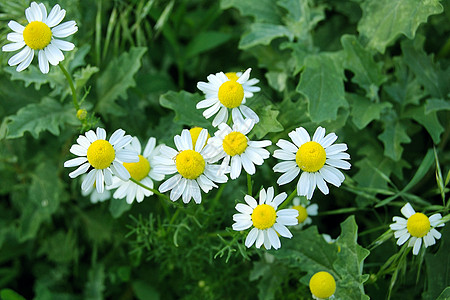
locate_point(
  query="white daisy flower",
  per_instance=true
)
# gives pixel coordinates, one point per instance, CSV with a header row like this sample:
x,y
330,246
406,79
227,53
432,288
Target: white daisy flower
x,y
234,146
42,35
248,86
193,170
142,171
105,158
95,196
304,211
223,93
318,159
265,218
416,227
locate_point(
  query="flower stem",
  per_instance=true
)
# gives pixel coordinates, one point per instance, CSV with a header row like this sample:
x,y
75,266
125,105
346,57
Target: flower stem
x,y
249,184
72,87
150,189
289,199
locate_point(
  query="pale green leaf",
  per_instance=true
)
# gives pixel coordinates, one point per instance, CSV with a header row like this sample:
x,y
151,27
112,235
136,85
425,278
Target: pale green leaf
x,y
263,34
118,206
349,263
263,11
368,73
83,75
365,111
392,137
183,104
430,121
205,41
115,80
32,75
322,84
384,20
432,105
268,121
48,115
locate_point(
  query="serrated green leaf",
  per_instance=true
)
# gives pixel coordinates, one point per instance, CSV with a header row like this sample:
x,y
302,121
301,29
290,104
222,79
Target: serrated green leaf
x,y
263,34
322,84
8,294
82,76
430,121
432,105
183,104
32,75
48,115
205,41
265,11
392,137
368,74
115,80
270,276
384,20
428,74
365,111
349,262
277,79
45,194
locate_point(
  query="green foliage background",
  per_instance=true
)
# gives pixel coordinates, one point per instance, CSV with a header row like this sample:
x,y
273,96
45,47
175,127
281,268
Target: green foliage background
x,y
376,72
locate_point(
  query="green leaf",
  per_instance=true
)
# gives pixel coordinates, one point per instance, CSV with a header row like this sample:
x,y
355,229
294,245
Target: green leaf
x,y
438,267
322,84
8,294
115,80
61,247
433,105
117,207
349,262
445,295
32,75
49,115
430,121
263,34
95,284
384,20
267,113
271,276
392,137
365,111
44,196
183,104
368,74
205,41
145,291
434,80
264,11
82,76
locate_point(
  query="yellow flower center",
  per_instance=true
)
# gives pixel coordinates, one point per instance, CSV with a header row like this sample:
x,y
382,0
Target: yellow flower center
x,y
310,157
138,170
322,285
231,94
195,132
234,143
302,213
232,76
264,216
418,225
101,154
37,35
190,164
81,114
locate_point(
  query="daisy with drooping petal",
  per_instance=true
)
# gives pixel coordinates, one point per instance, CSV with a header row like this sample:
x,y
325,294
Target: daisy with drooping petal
x,y
317,158
105,158
322,285
233,145
416,227
42,35
142,171
95,196
193,170
223,93
266,220
304,211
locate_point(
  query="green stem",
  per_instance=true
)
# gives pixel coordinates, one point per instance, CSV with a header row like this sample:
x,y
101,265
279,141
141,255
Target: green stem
x,y
249,184
72,87
288,200
150,189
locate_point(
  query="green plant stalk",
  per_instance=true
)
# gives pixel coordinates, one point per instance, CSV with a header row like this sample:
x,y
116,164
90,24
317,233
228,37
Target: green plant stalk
x,y
72,87
150,189
249,184
288,200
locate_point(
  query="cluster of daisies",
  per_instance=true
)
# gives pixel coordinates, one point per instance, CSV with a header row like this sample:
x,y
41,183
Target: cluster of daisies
x,y
199,162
